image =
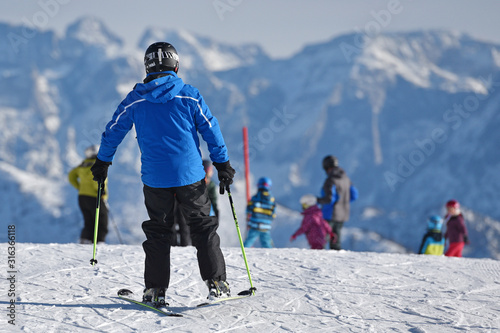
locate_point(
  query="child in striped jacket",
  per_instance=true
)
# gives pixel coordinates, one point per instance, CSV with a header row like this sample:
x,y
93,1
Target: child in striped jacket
x,y
261,211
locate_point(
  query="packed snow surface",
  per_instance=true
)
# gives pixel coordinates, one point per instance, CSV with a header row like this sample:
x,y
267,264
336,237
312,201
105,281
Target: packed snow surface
x,y
298,290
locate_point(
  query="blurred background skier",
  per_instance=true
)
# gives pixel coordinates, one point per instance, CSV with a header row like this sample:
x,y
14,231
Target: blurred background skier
x,y
213,192
313,224
433,240
456,232
82,179
261,211
336,195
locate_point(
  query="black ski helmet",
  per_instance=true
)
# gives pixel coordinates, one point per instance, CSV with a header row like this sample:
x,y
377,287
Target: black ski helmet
x,y
161,57
330,161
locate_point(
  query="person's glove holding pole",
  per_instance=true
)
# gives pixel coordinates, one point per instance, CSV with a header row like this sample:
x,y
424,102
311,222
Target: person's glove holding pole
x,y
100,170
225,172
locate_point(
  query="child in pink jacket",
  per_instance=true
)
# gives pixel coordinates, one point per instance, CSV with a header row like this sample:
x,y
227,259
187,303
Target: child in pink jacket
x,y
313,224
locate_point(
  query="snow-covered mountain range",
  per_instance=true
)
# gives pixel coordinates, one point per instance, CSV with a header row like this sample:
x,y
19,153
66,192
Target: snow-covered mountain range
x,y
412,118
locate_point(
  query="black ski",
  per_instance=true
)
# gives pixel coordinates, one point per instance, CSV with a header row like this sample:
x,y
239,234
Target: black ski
x,y
123,293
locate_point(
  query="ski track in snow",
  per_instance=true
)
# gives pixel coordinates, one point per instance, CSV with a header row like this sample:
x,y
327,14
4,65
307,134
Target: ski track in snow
x,y
298,290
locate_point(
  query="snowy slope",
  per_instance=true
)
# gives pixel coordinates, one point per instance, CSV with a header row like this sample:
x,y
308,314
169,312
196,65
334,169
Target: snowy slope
x,y
297,291
377,108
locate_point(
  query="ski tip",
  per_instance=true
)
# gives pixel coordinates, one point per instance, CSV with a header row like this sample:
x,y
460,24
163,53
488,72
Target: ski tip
x,y
170,313
124,292
203,304
248,292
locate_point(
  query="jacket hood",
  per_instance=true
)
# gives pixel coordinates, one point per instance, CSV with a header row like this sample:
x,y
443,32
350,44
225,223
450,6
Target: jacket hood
x,y
160,90
337,172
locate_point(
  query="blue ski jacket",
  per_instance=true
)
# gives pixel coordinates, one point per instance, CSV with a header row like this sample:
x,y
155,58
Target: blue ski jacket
x,y
432,243
167,115
262,210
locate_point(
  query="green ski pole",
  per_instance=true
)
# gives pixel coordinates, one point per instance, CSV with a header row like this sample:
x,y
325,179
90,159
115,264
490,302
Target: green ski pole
x,y
252,289
100,188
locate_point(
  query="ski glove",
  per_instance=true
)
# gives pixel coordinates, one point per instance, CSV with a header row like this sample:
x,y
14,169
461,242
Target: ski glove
x,y
100,170
333,237
225,172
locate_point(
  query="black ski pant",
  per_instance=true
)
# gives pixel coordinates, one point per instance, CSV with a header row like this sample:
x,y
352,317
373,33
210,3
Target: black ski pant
x,y
337,229
88,207
195,204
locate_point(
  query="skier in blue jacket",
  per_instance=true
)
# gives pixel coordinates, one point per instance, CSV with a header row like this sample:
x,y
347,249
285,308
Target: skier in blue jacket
x,y
168,115
433,240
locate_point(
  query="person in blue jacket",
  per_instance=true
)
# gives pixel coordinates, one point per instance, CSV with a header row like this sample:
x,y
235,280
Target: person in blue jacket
x,y
168,115
261,211
336,195
433,240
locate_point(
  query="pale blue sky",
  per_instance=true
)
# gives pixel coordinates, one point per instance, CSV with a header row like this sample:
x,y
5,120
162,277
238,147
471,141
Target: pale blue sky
x,y
281,27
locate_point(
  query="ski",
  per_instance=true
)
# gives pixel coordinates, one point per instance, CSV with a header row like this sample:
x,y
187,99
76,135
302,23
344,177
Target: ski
x,y
123,293
242,294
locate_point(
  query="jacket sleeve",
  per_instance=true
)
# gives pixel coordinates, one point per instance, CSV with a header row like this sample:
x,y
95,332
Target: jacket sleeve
x,y
422,244
304,227
353,193
208,126
463,228
121,123
73,178
250,206
329,193
274,208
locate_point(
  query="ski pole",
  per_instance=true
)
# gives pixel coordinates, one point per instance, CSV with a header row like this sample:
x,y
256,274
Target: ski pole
x,y
252,289
100,188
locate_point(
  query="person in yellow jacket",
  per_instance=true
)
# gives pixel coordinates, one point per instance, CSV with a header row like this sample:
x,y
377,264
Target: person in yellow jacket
x,y
82,179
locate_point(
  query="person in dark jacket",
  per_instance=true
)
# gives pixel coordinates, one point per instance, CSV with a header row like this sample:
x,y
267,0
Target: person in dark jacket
x,y
456,232
261,211
168,115
433,240
336,195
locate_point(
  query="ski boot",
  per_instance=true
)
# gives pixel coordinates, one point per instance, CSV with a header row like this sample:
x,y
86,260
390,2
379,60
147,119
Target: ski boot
x,y
155,297
217,289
